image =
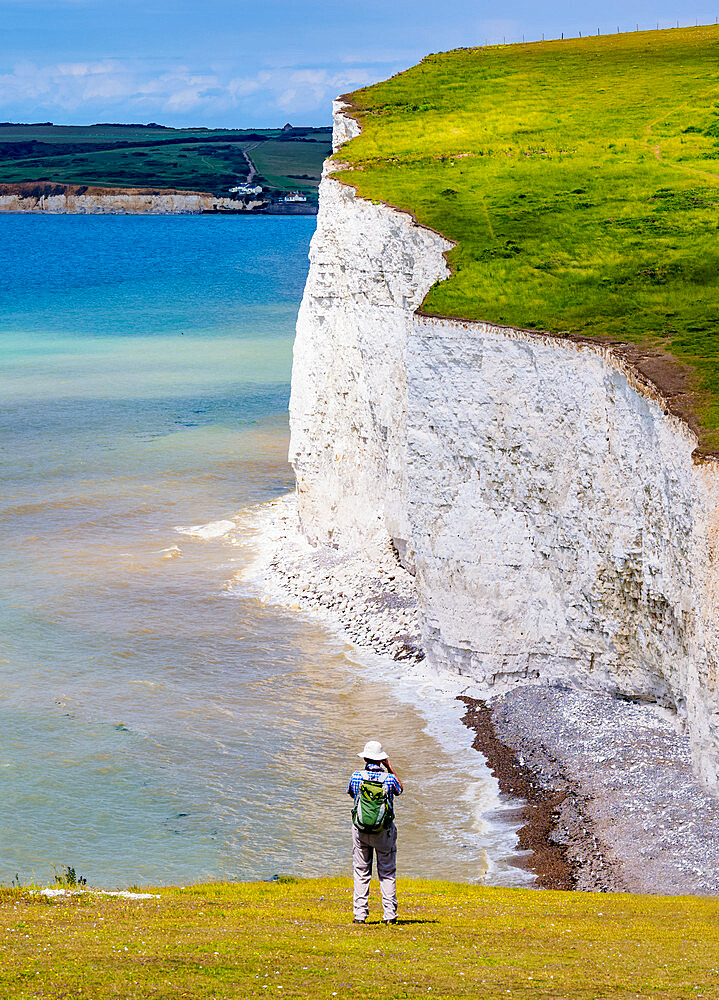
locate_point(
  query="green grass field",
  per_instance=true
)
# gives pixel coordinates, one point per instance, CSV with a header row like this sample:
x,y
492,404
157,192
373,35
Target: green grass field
x,y
579,179
183,159
296,939
286,166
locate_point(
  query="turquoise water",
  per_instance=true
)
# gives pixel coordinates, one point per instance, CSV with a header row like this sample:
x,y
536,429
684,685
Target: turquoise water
x,y
156,727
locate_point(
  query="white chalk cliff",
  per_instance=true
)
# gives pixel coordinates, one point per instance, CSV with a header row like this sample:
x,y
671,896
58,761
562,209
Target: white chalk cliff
x,y
74,200
553,510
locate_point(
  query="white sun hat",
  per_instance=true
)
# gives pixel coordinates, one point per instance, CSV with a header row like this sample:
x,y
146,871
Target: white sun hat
x,y
373,751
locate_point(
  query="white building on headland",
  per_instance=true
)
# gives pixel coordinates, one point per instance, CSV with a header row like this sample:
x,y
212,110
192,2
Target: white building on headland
x,y
243,189
294,196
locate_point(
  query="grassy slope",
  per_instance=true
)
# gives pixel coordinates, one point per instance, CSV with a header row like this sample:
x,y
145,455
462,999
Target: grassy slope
x,y
154,157
579,178
294,939
283,163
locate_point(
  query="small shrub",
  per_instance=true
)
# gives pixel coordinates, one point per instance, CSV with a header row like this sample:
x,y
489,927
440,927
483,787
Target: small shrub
x,y
68,878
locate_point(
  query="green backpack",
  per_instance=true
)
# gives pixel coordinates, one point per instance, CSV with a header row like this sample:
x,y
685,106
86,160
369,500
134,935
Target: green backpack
x,y
372,811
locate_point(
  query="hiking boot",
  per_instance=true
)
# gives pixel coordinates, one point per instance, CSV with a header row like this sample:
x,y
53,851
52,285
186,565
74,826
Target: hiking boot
x,y
357,920
392,920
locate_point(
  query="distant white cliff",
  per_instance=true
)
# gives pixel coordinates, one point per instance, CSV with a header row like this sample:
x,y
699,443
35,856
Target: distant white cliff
x,y
61,199
553,511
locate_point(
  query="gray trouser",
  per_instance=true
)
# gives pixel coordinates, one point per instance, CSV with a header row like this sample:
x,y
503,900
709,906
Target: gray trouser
x,y
385,846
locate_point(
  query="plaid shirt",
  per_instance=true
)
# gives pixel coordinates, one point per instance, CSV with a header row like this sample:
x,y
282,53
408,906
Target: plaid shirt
x,y
387,779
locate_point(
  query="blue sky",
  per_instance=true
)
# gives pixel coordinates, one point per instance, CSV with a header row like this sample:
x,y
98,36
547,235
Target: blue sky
x,y
223,64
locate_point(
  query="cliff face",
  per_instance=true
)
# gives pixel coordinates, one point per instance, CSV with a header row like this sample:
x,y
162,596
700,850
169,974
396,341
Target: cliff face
x,y
61,199
369,271
552,509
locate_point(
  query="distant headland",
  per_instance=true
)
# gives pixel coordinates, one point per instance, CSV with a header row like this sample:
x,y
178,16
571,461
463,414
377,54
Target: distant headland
x,y
111,168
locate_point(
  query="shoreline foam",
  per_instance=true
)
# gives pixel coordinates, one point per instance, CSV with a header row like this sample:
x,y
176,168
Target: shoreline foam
x,y
367,599
556,826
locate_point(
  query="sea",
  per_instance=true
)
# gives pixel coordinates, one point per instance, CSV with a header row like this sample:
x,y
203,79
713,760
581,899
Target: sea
x,y
160,726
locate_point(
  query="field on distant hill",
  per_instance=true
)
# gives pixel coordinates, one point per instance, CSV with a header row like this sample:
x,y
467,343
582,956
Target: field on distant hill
x,y
294,938
154,157
579,179
290,166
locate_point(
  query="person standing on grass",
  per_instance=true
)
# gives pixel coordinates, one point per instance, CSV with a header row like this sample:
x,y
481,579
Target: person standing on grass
x,y
373,831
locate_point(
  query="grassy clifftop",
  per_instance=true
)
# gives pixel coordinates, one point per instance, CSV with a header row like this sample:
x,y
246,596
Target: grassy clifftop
x,y
294,939
579,179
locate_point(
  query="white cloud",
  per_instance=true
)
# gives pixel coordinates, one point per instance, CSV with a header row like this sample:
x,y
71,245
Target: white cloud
x,y
308,88
130,90
66,85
